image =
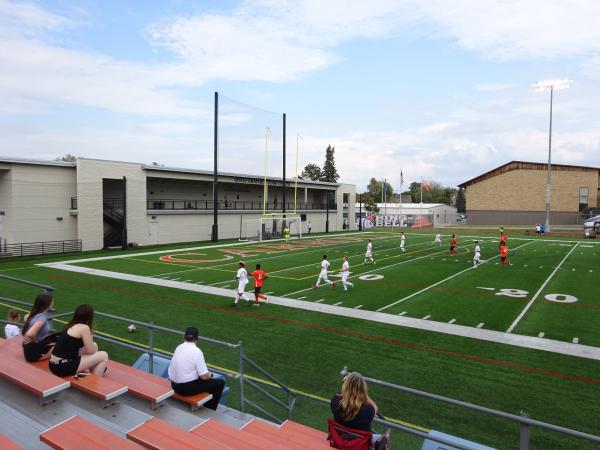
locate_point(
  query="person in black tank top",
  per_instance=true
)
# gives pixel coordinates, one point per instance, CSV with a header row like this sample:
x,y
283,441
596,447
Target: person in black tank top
x,y
75,351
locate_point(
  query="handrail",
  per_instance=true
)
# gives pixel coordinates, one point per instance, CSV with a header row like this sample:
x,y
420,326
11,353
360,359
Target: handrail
x,y
524,420
45,287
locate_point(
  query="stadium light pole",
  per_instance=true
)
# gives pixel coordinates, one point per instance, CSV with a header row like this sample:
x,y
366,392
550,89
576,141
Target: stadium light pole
x,y
542,86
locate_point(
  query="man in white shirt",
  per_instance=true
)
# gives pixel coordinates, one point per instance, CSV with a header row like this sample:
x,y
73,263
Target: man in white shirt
x,y
477,255
402,238
323,273
438,239
242,277
369,252
188,372
346,273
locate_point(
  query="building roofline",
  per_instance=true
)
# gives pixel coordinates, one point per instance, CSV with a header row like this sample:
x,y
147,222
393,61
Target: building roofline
x,y
515,165
37,162
231,174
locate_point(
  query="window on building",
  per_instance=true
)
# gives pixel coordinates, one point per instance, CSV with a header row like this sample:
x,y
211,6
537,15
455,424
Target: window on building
x,y
345,201
583,198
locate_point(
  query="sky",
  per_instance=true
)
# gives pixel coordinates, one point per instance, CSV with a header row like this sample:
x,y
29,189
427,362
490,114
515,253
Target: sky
x,y
440,90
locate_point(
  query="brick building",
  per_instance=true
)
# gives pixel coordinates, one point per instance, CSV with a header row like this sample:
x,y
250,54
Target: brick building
x,y
515,193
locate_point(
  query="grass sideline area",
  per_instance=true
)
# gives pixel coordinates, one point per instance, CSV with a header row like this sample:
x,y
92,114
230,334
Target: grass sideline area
x,y
307,349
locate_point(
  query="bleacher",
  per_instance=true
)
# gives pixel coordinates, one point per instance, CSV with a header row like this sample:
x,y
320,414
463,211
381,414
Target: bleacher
x,y
128,408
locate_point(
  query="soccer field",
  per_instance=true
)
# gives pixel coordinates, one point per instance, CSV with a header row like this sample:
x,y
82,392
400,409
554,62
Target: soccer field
x,y
550,290
421,318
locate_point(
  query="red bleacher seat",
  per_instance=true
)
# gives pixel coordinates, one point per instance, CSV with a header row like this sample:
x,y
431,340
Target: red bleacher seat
x,y
289,438
78,433
22,374
234,438
312,434
7,444
142,384
102,388
195,401
160,435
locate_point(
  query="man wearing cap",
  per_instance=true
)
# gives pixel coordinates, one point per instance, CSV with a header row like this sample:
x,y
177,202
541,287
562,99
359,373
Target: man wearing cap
x,y
188,372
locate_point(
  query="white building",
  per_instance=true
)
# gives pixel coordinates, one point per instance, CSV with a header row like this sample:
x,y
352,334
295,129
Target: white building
x,y
408,214
92,199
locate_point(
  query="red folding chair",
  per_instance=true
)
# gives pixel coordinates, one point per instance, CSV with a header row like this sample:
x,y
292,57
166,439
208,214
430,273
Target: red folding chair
x,y
345,438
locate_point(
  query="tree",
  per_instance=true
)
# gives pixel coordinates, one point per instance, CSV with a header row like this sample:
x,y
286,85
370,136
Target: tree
x,y
67,158
374,189
437,193
461,201
329,172
311,172
369,203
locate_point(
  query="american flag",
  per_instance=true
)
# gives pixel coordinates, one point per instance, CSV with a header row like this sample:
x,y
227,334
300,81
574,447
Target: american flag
x,y
401,179
426,185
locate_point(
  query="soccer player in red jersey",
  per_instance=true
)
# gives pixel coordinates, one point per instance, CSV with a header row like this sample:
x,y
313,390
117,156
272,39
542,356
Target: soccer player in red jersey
x,y
504,255
453,245
259,276
503,239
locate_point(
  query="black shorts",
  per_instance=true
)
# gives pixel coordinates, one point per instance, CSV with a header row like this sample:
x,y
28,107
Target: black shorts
x,y
65,367
257,289
503,258
452,247
33,351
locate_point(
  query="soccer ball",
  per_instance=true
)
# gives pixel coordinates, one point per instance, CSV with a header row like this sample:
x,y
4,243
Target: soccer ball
x,y
131,328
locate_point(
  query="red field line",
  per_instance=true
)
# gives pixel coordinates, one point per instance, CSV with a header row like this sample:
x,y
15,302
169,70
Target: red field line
x,y
359,335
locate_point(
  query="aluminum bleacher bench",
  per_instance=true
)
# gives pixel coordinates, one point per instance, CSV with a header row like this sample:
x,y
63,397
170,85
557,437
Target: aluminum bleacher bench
x,y
99,387
234,438
291,438
158,434
7,444
141,384
195,401
78,433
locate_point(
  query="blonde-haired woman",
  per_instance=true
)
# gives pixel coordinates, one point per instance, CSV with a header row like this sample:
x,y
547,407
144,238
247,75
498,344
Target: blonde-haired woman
x,y
353,408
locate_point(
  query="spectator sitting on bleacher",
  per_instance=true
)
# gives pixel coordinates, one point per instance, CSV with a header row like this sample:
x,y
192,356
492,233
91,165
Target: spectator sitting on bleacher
x,y
11,329
75,351
38,339
353,408
188,372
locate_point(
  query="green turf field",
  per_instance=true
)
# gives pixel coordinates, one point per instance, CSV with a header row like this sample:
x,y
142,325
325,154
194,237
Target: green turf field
x,y
551,288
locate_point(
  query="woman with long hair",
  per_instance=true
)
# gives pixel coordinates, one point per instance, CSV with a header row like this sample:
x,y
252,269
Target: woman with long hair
x,y
37,343
353,408
75,350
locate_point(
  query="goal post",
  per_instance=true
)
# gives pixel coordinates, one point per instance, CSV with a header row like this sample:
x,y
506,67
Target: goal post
x,y
270,227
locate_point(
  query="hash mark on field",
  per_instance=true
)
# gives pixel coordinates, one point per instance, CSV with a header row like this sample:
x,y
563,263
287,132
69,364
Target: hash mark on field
x,y
575,340
402,313
319,301
198,282
175,279
357,307
267,293
427,317
300,298
213,284
541,334
452,321
480,325
338,303
187,281
486,288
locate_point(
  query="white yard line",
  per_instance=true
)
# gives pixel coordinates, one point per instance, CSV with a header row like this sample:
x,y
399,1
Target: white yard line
x,y
358,307
301,298
480,325
319,301
522,313
440,282
427,317
565,348
452,321
338,303
402,313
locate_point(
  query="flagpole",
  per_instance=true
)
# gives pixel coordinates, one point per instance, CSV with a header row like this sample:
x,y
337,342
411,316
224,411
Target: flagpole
x,y
421,207
384,203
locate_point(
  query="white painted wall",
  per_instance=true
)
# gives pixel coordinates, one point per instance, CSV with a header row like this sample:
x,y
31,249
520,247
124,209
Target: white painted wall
x,y
37,200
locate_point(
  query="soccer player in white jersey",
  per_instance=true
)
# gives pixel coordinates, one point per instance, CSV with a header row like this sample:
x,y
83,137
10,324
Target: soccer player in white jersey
x,y
323,273
437,240
242,277
346,273
369,253
477,255
402,238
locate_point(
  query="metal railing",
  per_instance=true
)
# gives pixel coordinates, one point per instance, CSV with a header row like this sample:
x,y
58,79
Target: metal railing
x,y
524,421
40,248
222,205
152,351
